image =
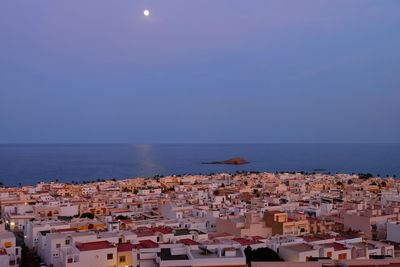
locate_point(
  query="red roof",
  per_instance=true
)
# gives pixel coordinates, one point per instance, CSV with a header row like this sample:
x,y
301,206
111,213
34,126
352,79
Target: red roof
x,y
148,244
141,233
274,211
335,246
311,238
138,246
94,245
245,242
340,237
161,230
257,237
125,247
189,242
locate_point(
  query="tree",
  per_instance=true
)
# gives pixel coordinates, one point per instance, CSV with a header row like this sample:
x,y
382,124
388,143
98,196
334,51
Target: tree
x,y
87,215
126,190
260,254
365,176
246,183
350,181
121,217
339,183
216,192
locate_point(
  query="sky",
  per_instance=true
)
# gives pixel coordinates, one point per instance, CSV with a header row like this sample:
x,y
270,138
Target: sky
x,y
226,71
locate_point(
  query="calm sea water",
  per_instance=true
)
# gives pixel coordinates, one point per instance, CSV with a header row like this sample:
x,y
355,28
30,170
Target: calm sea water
x,y
28,164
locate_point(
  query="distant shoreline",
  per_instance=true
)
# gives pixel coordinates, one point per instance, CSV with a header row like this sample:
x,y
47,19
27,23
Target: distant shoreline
x,y
362,176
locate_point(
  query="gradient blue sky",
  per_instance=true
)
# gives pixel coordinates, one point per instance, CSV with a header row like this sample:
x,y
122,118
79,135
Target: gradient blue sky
x,y
201,71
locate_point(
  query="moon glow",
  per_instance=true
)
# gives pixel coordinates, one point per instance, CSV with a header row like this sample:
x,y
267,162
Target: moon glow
x,y
146,12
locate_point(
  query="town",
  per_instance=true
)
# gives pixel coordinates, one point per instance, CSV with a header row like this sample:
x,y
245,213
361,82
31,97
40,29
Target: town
x,y
242,219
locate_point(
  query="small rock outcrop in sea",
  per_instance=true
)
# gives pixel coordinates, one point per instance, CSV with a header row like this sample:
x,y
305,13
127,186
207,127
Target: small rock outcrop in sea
x,y
233,161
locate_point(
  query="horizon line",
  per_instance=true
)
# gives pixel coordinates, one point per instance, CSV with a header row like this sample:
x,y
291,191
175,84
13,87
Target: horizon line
x,y
214,143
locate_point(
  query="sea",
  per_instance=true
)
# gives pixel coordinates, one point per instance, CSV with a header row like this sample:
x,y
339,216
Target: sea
x,y
30,164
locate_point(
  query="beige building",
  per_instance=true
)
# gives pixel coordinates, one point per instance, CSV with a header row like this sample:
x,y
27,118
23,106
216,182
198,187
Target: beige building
x,y
372,223
248,225
281,224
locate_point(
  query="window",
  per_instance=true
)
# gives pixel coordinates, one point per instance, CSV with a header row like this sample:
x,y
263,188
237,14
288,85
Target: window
x,y
58,245
122,259
110,256
67,242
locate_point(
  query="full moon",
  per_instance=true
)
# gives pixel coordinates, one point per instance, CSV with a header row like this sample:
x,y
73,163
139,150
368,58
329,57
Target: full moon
x,y
146,12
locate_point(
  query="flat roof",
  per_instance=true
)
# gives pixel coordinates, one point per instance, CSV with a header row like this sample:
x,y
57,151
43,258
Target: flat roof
x,y
165,255
299,247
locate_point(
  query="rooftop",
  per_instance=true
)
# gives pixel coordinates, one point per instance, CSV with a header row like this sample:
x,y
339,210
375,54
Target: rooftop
x,y
189,242
94,245
299,247
165,255
125,247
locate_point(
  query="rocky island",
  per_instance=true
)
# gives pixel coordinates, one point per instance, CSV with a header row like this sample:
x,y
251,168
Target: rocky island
x,y
232,161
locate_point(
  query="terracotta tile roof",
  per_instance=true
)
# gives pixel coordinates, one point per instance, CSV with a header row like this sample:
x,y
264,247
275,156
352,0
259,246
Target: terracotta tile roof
x,y
161,230
339,237
125,247
148,244
189,242
94,245
311,238
274,211
335,246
